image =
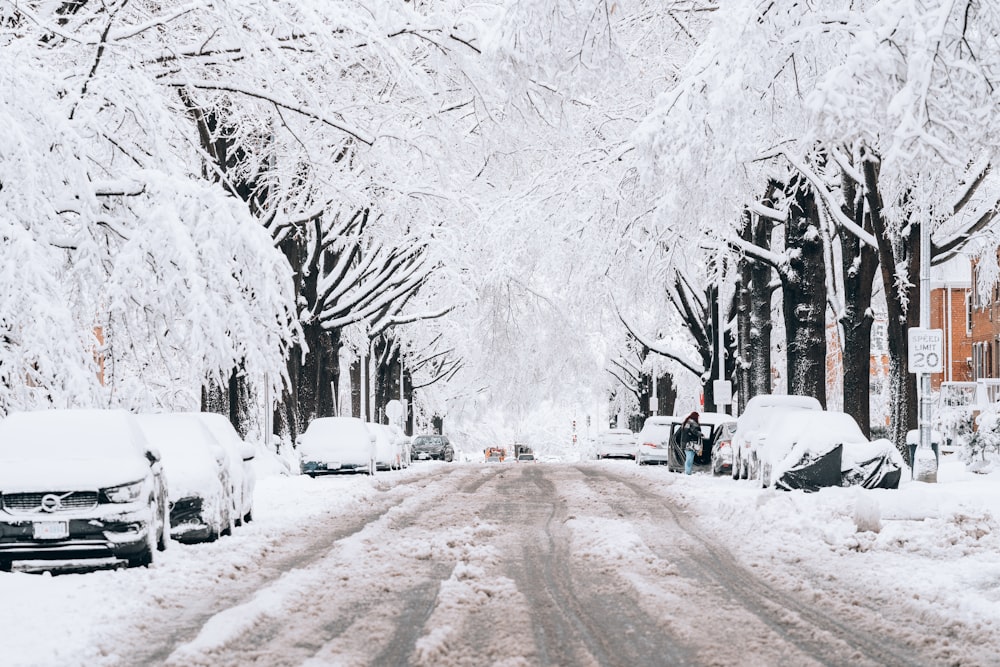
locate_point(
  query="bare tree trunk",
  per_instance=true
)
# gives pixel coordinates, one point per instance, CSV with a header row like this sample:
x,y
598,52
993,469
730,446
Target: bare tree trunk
x,y
899,248
804,297
859,263
666,394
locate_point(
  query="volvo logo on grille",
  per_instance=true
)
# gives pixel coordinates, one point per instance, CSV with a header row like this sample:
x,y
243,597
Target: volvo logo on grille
x,y
51,503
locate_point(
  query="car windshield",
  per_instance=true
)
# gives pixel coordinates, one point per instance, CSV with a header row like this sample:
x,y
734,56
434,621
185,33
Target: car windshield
x,y
428,440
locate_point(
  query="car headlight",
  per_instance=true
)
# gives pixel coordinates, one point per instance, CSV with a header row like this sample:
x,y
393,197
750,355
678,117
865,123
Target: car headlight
x,y
126,493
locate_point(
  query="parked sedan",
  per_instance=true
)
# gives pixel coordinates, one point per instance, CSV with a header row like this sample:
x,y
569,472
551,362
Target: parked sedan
x,y
79,484
617,443
242,477
197,471
335,445
653,441
427,447
722,451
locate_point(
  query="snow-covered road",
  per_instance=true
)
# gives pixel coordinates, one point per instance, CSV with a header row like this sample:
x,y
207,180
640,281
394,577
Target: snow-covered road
x,y
537,564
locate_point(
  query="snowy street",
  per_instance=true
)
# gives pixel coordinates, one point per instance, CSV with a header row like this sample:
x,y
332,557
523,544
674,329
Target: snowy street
x,y
598,563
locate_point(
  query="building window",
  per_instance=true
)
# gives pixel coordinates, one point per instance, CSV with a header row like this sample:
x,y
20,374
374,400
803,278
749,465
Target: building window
x,y
975,287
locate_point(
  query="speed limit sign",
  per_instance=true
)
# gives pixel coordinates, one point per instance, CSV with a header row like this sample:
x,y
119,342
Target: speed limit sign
x,y
926,350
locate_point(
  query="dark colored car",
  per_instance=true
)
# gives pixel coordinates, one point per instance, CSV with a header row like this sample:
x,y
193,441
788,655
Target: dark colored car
x,y
79,484
428,447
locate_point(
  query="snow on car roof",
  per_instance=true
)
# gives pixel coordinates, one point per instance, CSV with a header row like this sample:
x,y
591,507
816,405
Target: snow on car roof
x,y
782,400
715,418
188,451
326,427
819,427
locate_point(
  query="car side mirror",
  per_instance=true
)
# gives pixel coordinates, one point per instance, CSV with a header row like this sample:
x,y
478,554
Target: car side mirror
x,y
248,452
152,455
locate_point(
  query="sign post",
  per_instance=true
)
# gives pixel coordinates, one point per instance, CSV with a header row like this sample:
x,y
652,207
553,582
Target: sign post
x,y
925,357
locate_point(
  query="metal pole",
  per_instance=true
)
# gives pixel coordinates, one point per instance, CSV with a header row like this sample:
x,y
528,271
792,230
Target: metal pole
x,y
721,331
722,336
925,462
267,412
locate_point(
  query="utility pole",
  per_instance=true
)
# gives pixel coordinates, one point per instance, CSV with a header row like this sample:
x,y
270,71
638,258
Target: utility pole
x,y
925,356
722,389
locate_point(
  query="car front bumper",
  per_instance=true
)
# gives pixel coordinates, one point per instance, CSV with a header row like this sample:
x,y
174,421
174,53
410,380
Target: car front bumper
x,y
101,534
617,452
429,455
331,467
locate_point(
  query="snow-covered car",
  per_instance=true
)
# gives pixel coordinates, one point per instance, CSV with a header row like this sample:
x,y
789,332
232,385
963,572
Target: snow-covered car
x,y
718,450
388,448
616,443
197,472
653,441
428,447
336,445
79,484
751,424
812,449
242,477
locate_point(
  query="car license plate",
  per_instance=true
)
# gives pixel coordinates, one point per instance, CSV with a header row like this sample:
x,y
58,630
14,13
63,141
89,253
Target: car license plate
x,y
51,530
335,465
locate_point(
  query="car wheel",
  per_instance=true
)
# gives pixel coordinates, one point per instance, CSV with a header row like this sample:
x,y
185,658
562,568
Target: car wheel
x,y
6,565
145,557
735,469
248,517
161,538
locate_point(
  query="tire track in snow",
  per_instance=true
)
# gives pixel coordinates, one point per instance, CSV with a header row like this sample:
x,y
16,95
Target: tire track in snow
x,y
574,621
821,636
305,547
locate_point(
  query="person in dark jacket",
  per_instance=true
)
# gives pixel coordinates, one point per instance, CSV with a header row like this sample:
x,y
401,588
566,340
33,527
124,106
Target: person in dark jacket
x,y
690,438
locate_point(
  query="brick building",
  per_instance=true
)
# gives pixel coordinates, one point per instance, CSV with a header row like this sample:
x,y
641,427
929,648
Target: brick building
x,y
952,311
984,315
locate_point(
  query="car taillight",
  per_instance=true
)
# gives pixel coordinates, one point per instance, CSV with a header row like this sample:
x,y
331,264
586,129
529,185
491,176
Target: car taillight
x,y
725,443
649,444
